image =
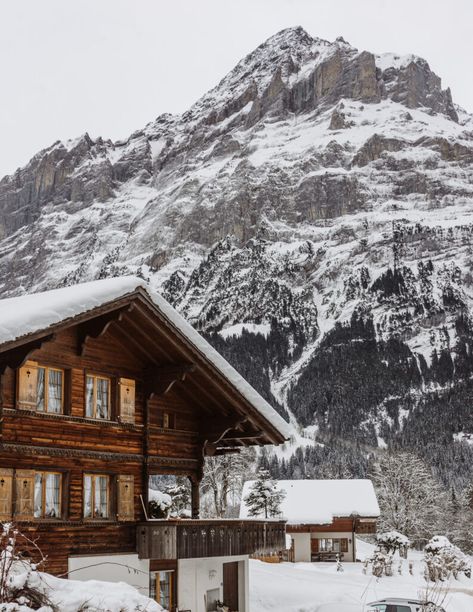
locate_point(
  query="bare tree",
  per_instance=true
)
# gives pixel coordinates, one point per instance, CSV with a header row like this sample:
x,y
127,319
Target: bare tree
x,y
223,481
410,498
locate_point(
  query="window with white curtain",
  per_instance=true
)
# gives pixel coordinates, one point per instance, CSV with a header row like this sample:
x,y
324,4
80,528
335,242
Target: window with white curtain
x,y
47,495
96,496
97,397
50,390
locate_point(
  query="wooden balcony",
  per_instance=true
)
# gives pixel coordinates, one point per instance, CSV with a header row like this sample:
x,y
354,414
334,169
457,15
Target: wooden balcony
x,y
195,538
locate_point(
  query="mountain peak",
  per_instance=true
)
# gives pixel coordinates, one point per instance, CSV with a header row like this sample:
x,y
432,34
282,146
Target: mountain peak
x,y
290,36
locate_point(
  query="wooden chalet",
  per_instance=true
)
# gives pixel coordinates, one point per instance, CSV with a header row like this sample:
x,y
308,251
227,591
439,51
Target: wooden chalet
x,y
324,517
102,386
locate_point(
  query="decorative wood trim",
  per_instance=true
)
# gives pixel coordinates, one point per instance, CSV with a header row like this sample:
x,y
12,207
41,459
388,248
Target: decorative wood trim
x,y
48,451
73,419
152,461
156,460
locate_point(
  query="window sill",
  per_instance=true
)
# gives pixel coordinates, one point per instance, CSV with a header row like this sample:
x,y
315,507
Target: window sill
x,y
69,417
72,523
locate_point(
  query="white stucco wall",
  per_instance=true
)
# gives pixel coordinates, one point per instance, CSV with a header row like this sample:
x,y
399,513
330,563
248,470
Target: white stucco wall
x,y
301,546
112,568
197,576
348,556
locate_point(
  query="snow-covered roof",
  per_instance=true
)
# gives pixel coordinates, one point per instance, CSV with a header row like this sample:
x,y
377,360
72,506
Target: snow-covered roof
x,y
318,502
31,313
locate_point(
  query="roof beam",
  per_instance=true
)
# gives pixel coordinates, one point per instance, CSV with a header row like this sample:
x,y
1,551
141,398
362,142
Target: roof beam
x,y
95,328
17,356
128,341
160,379
225,386
146,338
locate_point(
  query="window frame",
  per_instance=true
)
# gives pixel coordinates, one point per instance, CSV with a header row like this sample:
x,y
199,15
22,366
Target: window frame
x,y
93,476
43,517
155,582
47,369
96,377
168,420
333,543
34,406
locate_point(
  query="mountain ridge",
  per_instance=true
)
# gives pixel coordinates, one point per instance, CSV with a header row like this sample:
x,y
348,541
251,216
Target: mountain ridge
x,y
311,215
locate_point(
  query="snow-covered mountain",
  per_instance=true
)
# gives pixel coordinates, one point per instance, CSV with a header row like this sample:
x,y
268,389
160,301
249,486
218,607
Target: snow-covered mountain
x,y
312,213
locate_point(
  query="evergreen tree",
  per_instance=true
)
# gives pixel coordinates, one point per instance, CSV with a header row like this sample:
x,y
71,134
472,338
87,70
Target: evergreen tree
x,y
180,493
264,496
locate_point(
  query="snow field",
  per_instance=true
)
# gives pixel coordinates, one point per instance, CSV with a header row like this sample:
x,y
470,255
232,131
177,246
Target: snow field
x,y
304,587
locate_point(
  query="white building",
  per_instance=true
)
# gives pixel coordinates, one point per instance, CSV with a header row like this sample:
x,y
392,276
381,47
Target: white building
x,y
323,516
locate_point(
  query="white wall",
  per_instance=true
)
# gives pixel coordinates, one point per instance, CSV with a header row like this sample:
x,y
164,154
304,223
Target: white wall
x,y
348,556
301,546
112,568
197,576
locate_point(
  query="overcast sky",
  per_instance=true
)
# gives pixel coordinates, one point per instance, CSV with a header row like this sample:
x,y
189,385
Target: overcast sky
x,y
109,66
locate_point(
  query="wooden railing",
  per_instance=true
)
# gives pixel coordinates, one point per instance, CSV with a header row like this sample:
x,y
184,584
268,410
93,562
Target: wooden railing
x,y
195,538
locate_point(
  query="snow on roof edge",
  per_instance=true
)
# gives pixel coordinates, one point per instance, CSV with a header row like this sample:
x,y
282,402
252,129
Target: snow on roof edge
x,y
36,312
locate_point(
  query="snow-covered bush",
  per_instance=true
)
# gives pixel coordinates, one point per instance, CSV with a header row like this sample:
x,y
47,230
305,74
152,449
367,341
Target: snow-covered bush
x,y
382,559
443,560
381,563
392,541
20,583
159,505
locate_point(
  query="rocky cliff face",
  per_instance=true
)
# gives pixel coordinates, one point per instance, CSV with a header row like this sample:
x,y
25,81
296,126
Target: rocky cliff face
x,y
311,213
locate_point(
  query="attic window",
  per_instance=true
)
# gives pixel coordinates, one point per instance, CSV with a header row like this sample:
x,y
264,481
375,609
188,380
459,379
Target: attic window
x,y
167,420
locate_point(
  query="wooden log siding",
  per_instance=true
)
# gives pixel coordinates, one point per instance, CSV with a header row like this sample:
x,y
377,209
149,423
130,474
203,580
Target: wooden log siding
x,y
128,447
189,539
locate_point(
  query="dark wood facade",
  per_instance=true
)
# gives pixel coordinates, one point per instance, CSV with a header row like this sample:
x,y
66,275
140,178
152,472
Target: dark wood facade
x,y
339,524
194,539
182,410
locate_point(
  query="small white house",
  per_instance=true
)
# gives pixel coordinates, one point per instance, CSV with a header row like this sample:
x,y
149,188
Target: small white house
x,y
323,516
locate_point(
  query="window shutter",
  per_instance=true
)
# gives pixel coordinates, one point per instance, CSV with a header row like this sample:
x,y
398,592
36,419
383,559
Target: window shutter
x,y
6,487
314,545
127,400
344,545
126,498
27,386
24,494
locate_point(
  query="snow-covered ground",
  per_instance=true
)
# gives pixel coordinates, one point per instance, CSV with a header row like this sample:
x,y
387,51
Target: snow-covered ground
x,y
77,595
303,587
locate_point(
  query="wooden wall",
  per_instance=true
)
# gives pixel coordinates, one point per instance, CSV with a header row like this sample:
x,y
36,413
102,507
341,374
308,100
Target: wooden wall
x,y
338,525
74,445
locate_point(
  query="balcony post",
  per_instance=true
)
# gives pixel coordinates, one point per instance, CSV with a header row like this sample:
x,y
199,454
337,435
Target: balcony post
x,y
195,497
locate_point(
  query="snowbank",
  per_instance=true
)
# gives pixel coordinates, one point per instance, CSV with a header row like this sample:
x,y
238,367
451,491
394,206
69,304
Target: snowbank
x,y
70,595
78,596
